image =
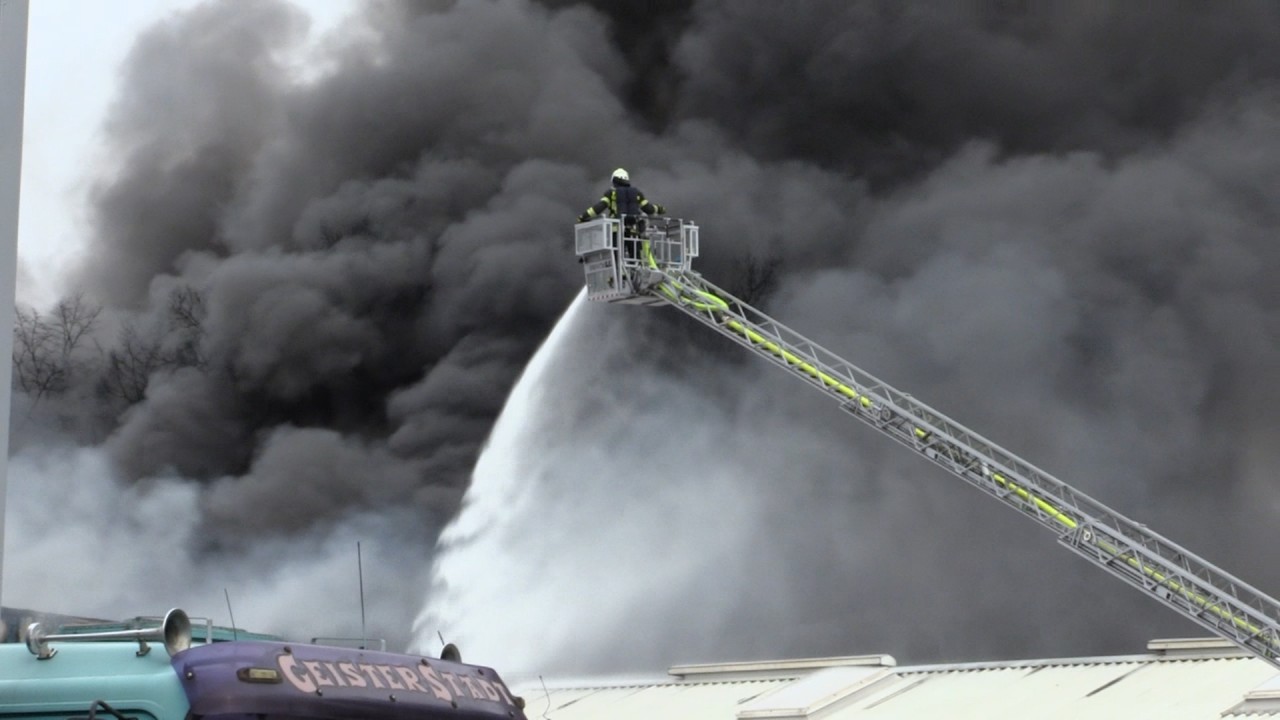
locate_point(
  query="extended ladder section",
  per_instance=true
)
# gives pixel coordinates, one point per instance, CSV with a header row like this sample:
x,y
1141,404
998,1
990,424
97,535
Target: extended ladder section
x,y
1211,597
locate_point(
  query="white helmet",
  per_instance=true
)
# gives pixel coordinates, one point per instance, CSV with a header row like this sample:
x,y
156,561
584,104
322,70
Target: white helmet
x,y
621,175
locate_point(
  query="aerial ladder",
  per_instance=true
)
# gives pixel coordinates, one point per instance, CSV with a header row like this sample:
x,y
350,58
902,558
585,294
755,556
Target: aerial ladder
x,y
649,263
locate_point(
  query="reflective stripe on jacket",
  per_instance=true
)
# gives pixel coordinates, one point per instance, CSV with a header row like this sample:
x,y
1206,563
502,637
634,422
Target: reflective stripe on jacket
x,y
622,200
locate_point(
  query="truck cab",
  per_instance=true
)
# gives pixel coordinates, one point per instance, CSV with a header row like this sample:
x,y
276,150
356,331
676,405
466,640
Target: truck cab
x,y
119,673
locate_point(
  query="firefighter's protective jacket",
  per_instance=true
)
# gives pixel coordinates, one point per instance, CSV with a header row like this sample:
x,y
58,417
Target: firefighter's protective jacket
x,y
622,200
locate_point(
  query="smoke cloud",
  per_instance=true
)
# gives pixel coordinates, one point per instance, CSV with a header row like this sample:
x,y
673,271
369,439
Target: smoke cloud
x,y
318,288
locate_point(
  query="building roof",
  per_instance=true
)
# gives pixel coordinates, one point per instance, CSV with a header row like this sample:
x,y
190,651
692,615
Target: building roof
x,y
1174,679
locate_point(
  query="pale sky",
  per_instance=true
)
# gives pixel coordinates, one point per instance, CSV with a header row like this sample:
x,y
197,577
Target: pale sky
x,y
74,52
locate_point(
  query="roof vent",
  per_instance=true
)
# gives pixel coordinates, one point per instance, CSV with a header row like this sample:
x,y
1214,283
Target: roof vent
x,y
1194,648
1262,700
718,672
805,698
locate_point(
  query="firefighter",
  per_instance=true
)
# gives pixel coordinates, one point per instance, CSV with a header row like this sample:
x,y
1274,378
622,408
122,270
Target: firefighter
x,y
626,202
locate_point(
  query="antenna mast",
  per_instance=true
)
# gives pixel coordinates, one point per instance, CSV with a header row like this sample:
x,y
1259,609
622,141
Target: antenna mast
x,y
364,635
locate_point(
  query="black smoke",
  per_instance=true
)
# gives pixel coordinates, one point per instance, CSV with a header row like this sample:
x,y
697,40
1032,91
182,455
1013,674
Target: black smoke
x,y
377,251
1054,221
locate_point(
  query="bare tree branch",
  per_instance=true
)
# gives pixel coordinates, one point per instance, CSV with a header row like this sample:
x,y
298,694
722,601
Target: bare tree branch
x,y
47,350
130,365
755,277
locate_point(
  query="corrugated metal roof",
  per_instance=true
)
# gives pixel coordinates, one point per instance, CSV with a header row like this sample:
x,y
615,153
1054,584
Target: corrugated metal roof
x,y
813,694
673,700
1145,686
1155,688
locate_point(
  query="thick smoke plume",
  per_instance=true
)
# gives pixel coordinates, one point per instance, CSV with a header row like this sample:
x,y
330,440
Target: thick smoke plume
x,y
1054,222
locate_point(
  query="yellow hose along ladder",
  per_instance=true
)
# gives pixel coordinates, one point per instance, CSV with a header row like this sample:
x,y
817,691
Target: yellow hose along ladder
x,y
650,264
